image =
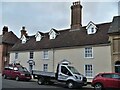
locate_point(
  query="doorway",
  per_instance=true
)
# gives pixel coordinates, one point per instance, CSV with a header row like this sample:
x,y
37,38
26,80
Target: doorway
x,y
117,66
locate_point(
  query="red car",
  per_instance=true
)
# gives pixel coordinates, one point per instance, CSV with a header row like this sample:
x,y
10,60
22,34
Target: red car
x,y
106,80
16,72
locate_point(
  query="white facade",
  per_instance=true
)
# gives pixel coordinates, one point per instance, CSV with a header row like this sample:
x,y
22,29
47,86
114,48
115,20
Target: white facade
x,y
99,62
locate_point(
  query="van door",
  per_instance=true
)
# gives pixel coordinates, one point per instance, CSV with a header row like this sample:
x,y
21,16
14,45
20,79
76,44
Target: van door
x,y
64,74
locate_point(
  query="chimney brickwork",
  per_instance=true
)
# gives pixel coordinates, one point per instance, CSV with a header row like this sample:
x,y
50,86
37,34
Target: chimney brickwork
x,y
5,29
23,32
76,14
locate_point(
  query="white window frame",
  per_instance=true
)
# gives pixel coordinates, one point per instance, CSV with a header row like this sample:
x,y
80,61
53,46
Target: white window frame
x,y
16,55
45,67
38,37
24,39
88,52
88,73
31,53
46,54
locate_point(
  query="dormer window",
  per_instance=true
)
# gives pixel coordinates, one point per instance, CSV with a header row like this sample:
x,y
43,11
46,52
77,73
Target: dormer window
x,y
38,36
91,28
53,33
24,39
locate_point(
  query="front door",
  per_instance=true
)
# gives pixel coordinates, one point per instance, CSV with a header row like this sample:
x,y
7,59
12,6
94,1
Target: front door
x,y
117,67
30,68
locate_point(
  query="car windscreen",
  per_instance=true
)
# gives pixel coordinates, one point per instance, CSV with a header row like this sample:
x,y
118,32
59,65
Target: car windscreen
x,y
73,70
23,69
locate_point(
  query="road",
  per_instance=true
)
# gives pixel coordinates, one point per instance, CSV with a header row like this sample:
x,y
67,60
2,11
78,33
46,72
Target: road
x,y
32,85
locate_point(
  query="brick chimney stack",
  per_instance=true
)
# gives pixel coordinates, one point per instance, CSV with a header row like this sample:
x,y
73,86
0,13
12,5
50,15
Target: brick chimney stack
x,y
76,15
23,31
5,29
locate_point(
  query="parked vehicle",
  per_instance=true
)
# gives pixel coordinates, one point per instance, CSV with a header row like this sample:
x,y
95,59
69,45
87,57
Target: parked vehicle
x,y
16,72
106,80
65,73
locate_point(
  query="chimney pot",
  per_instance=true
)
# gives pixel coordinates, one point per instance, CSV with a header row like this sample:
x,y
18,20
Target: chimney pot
x,y
23,28
5,29
23,32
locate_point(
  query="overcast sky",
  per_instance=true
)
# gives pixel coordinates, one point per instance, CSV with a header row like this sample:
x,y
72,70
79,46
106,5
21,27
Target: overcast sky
x,y
42,16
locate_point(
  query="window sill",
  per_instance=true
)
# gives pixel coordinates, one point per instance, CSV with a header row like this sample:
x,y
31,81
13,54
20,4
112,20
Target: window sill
x,y
89,77
89,57
45,58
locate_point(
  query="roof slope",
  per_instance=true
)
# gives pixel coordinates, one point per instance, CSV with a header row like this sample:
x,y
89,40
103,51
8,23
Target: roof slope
x,y
66,38
9,38
115,26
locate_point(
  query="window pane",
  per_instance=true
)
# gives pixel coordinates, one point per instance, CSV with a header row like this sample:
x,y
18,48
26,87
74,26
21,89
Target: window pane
x,y
45,67
16,55
45,54
88,70
88,52
31,55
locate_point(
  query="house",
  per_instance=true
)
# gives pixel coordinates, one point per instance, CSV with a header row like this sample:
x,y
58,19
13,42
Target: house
x,y
88,48
114,37
7,40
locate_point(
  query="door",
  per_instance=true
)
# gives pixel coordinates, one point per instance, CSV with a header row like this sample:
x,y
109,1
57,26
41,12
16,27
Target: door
x,y
63,74
30,68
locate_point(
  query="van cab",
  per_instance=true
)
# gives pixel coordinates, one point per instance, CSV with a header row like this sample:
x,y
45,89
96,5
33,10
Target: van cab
x,y
16,72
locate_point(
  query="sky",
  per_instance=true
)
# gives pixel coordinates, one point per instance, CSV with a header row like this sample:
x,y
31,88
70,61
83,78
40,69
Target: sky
x,y
42,16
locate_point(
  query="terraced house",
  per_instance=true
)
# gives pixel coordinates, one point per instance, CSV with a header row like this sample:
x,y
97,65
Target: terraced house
x,y
7,40
91,49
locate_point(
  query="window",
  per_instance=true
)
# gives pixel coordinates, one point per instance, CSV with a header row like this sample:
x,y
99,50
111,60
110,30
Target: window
x,y
31,55
114,76
88,70
45,67
24,39
64,70
91,28
16,55
45,54
38,36
88,52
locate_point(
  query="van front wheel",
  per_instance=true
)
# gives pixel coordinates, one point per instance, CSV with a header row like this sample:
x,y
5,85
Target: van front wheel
x,y
70,84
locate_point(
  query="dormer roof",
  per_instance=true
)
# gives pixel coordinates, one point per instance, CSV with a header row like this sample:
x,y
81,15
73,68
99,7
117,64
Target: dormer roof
x,y
91,28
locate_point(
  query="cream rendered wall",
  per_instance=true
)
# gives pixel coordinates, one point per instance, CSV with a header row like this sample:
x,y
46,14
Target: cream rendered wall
x,y
23,57
39,61
101,60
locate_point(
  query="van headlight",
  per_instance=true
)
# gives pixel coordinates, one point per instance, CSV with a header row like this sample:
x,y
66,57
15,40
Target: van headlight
x,y
76,77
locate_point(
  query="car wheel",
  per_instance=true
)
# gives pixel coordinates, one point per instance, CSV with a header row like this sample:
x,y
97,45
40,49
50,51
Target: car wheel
x,y
98,86
70,84
4,76
17,78
40,81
